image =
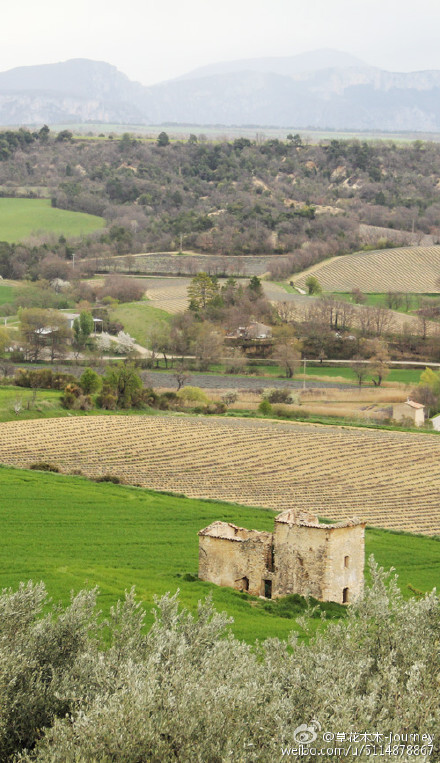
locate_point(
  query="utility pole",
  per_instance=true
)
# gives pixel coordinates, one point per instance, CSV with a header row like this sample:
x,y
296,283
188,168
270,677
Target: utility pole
x,y
304,379
73,260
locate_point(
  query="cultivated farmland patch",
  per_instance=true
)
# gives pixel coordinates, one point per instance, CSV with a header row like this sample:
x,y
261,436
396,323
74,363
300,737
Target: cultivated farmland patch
x,y
406,269
169,294
389,478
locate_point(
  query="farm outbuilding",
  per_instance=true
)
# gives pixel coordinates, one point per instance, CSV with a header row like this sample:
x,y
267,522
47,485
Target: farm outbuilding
x,y
436,423
411,410
302,555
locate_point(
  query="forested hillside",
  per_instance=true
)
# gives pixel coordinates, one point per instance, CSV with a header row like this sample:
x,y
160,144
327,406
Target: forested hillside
x,y
242,197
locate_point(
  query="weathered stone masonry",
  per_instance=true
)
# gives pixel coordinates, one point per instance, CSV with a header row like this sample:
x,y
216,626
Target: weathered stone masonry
x,y
301,556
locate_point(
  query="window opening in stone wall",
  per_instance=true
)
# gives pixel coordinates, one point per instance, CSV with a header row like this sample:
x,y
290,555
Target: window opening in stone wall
x,y
346,561
345,595
268,589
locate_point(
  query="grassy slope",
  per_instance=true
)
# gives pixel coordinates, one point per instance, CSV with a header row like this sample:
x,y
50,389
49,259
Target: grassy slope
x,y
137,317
20,218
73,533
46,403
6,292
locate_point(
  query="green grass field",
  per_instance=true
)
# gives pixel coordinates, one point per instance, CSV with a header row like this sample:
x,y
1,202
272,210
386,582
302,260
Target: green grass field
x,y
137,317
380,298
46,403
72,533
7,291
19,218
398,375
287,287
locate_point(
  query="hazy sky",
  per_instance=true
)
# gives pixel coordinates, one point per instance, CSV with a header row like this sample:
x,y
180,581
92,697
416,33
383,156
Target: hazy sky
x,y
151,41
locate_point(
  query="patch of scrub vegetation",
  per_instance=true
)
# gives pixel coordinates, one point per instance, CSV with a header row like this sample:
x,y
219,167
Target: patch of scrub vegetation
x,y
74,533
294,605
20,218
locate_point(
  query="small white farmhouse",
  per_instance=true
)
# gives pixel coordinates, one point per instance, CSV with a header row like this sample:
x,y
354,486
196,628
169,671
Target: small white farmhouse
x,y
409,410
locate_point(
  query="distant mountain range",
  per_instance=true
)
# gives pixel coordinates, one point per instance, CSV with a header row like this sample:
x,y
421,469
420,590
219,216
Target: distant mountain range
x,y
324,89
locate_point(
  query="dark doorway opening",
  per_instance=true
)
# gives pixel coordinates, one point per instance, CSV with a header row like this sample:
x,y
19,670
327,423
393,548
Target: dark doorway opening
x,y
345,595
268,589
245,584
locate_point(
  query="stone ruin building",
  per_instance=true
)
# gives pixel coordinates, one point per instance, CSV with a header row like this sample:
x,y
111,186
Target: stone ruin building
x,y
302,555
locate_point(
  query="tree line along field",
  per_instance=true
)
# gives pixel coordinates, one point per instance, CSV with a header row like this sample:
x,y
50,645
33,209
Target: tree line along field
x,y
404,269
399,321
390,479
72,533
20,218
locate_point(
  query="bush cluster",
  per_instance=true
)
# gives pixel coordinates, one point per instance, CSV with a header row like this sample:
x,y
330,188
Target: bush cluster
x,y
44,466
74,398
278,395
283,412
42,378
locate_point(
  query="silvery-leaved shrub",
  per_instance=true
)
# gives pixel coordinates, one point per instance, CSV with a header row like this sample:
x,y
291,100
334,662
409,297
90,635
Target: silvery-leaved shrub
x,y
188,690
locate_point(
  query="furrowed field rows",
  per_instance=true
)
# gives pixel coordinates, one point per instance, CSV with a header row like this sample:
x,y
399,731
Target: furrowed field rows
x,y
169,294
389,478
406,269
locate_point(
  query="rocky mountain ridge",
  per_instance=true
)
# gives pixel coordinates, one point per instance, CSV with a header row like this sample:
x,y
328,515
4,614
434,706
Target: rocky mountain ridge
x,y
307,91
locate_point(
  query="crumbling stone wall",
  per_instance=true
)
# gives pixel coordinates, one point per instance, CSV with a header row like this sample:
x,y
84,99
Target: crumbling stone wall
x,y
319,560
234,557
344,569
301,556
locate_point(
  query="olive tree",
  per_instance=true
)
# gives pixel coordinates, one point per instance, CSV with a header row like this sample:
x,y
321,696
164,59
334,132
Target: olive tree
x,y
189,690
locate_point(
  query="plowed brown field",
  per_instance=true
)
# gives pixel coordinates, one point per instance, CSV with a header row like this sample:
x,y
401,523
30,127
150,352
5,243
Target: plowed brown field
x,y
391,479
406,269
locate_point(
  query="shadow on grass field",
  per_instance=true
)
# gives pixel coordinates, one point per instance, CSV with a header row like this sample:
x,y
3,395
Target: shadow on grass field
x,y
72,533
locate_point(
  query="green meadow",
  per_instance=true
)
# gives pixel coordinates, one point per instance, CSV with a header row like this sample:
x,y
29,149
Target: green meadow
x,y
7,291
397,375
137,317
20,218
73,533
44,404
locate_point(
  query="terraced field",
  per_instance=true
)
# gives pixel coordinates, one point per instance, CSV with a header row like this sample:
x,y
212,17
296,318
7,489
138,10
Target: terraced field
x,y
406,269
163,263
389,478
